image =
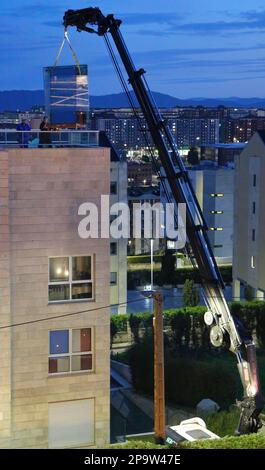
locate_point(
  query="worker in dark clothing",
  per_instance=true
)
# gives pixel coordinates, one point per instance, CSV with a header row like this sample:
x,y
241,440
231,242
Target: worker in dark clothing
x,y
23,135
45,136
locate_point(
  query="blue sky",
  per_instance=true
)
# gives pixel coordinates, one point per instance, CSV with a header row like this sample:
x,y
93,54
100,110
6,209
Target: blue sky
x,y
189,48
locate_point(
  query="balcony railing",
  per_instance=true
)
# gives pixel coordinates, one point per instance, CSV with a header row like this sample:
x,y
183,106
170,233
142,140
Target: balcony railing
x,y
48,139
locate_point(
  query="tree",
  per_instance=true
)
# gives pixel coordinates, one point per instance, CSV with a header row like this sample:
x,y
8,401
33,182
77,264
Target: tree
x,y
134,323
167,268
193,156
191,295
248,293
113,332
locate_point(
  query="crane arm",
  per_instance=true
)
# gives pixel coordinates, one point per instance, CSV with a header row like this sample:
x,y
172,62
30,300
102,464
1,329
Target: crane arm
x,y
223,325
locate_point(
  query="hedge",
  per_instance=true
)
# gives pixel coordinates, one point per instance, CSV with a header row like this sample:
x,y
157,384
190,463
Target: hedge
x,y
251,441
142,276
187,381
187,328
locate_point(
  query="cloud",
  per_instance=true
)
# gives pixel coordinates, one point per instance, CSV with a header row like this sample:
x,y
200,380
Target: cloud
x,y
169,18
35,9
249,21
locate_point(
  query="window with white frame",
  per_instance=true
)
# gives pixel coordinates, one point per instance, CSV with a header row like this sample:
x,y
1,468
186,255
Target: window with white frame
x,y
70,278
70,351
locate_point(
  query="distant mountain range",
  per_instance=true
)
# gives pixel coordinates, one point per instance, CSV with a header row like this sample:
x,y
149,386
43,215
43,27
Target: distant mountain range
x,y
25,99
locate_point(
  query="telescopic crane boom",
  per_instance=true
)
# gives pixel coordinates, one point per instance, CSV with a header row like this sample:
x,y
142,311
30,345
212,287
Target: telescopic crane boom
x,y
223,326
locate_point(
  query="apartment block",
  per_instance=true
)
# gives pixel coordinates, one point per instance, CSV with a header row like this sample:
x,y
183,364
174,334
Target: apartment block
x,y
249,220
54,290
214,188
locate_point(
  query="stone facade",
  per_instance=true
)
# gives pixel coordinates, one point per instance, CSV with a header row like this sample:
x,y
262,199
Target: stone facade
x,y
40,192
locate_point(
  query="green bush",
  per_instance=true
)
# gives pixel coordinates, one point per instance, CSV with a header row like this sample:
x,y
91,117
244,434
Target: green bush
x,y
137,444
120,321
143,259
223,423
190,319
134,322
248,293
178,276
187,381
191,296
251,441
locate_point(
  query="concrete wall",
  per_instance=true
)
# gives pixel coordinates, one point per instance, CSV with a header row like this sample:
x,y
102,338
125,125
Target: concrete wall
x,y
41,190
118,262
250,162
206,184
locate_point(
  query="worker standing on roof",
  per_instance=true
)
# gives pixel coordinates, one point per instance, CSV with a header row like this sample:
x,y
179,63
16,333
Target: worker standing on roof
x,y
45,136
23,136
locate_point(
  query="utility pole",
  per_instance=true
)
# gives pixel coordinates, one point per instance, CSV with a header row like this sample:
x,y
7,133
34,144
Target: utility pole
x,y
159,377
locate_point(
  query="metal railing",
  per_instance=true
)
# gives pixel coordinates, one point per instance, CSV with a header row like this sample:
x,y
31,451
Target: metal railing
x,y
10,138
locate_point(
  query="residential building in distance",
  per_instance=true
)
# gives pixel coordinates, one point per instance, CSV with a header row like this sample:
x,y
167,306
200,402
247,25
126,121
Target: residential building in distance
x,y
66,95
139,173
249,220
55,374
125,131
150,196
214,188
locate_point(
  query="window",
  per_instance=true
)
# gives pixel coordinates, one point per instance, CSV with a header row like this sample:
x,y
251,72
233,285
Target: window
x,y
113,278
217,195
253,208
216,229
253,262
113,248
253,235
218,246
70,351
217,212
70,278
254,180
113,187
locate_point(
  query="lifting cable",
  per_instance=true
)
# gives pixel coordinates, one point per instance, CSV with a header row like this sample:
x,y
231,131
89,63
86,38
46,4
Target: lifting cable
x,y
66,39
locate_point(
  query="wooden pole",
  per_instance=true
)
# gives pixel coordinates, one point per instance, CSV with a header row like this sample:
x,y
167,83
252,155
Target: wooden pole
x,y
159,379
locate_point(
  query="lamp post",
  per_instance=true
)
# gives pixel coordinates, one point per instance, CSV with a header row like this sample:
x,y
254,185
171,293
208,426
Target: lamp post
x,y
152,263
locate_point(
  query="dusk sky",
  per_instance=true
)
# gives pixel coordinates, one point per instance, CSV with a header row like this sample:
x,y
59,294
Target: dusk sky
x,y
189,48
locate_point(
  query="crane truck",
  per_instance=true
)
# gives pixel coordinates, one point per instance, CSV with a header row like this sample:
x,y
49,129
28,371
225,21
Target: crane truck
x,y
224,327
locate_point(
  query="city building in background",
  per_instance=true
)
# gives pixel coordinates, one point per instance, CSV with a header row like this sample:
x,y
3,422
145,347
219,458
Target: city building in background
x,y
214,188
140,173
125,131
149,195
249,225
66,95
55,374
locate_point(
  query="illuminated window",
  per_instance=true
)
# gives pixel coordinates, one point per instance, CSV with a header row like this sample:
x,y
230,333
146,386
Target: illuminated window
x,y
216,229
217,195
217,212
70,278
253,262
70,351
